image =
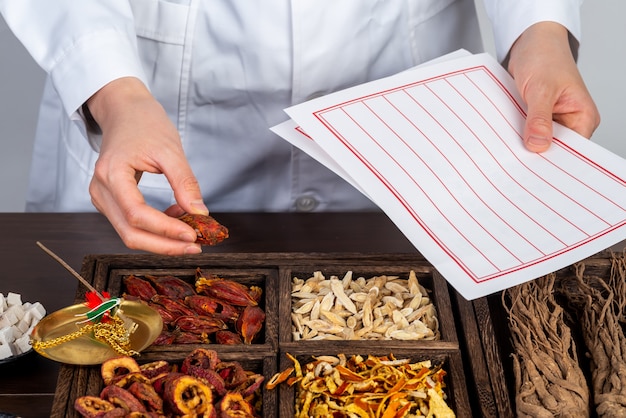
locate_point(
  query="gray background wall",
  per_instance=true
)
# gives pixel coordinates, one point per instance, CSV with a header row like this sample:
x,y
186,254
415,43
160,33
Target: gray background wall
x,y
602,62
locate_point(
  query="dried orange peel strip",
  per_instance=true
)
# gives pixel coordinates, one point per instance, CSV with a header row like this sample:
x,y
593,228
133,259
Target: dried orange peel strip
x,y
379,387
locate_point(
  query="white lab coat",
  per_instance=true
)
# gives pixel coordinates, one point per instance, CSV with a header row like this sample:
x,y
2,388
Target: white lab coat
x,y
224,70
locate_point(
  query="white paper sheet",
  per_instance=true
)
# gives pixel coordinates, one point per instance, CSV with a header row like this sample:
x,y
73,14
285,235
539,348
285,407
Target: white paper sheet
x,y
439,149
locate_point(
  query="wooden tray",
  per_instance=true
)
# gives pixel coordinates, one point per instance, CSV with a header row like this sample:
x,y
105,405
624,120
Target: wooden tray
x,y
460,348
488,321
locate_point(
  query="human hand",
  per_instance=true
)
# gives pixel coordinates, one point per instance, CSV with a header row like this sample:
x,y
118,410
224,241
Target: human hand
x,y
548,79
137,137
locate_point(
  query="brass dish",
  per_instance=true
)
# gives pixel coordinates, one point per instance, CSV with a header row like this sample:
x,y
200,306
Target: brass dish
x,y
86,349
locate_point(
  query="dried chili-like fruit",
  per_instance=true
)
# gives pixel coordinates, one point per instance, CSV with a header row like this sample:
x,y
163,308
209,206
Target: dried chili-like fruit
x,y
138,287
227,337
175,307
171,286
250,322
167,316
230,291
208,230
183,337
165,338
199,324
208,305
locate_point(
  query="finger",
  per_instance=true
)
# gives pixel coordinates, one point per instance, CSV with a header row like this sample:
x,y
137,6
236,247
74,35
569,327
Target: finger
x,y
186,188
141,239
584,123
537,134
139,225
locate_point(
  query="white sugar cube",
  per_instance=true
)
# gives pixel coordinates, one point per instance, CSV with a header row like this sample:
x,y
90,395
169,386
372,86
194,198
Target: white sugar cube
x,y
6,335
38,310
22,344
23,326
17,311
3,303
14,299
10,317
17,333
5,351
4,322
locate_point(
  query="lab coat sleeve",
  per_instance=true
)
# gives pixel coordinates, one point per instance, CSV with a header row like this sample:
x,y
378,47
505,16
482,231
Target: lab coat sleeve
x,y
82,45
509,18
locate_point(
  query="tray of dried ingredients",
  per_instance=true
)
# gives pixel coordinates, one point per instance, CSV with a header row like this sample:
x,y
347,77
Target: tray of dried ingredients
x,y
559,340
394,307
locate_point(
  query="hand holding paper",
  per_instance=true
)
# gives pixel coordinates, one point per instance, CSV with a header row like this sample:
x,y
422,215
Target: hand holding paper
x,y
439,149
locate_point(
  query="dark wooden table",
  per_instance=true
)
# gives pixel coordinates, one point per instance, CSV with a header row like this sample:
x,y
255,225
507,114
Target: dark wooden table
x,y
27,385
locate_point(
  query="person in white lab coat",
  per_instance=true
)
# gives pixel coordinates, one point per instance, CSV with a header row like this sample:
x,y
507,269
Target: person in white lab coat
x,y
155,107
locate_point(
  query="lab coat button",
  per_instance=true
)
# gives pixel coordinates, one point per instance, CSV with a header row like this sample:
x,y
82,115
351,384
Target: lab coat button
x,y
306,203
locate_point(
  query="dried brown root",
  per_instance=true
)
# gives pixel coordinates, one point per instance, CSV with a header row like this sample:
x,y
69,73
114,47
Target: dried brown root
x,y
548,379
600,306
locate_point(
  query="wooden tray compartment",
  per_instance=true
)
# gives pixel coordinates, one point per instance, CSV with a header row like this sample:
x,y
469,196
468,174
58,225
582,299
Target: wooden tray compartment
x,y
74,381
459,347
431,280
491,320
108,275
456,391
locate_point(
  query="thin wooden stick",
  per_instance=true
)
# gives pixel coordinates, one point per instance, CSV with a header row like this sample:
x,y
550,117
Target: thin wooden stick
x,y
70,269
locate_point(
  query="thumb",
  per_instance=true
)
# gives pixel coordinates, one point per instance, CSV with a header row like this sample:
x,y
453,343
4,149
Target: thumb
x,y
537,135
187,191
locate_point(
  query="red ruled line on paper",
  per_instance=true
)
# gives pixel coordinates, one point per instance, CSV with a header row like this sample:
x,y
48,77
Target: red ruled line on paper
x,y
495,271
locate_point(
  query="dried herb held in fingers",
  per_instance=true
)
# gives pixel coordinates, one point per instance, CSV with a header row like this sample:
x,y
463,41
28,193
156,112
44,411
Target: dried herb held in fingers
x,y
209,231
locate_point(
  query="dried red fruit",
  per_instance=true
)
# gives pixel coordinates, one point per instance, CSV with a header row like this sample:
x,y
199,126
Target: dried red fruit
x,y
250,322
188,396
200,357
155,368
167,316
121,398
232,373
165,338
252,383
207,305
198,324
233,405
139,287
190,338
230,291
171,286
173,306
147,395
209,231
226,337
115,368
92,406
